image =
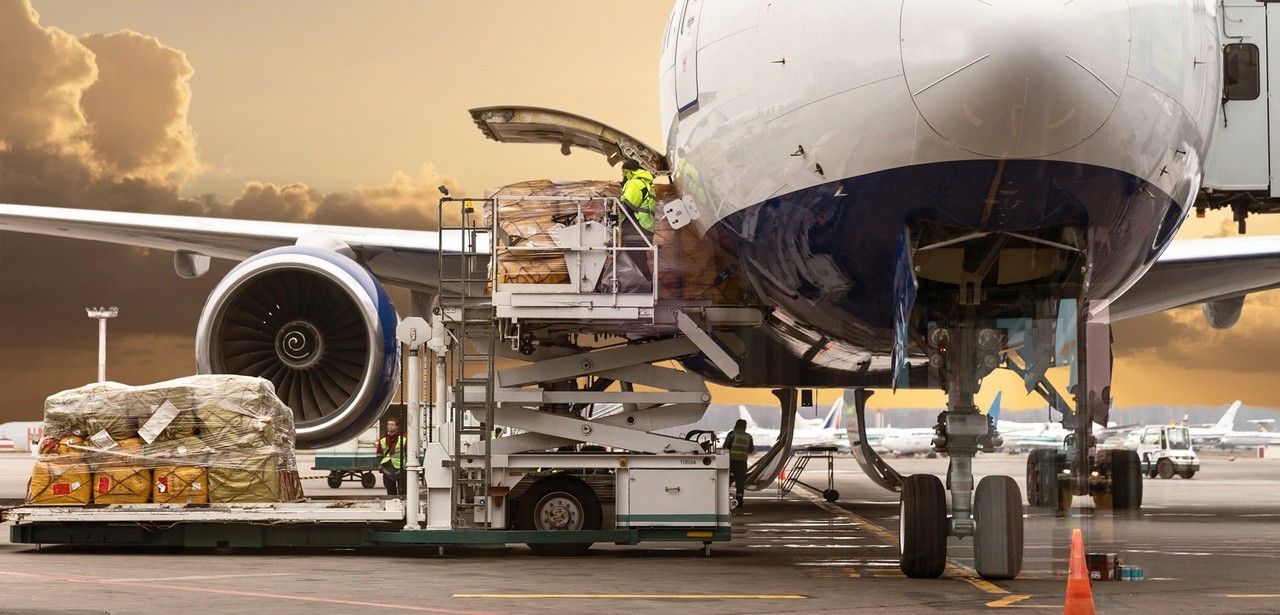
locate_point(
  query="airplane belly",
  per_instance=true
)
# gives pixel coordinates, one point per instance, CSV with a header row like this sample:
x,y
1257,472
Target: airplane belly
x,y
1095,113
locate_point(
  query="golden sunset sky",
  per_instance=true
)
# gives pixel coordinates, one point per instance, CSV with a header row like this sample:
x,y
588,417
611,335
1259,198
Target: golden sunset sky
x,y
341,111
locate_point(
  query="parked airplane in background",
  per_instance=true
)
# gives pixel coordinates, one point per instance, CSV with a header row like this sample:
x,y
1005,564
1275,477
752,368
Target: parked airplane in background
x,y
808,432
1211,435
907,442
1224,434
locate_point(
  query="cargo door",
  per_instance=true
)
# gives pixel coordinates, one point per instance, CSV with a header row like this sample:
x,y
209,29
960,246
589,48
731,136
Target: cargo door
x,y
1240,156
687,55
539,125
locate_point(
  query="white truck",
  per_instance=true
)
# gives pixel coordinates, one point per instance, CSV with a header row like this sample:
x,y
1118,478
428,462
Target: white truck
x,y
1164,450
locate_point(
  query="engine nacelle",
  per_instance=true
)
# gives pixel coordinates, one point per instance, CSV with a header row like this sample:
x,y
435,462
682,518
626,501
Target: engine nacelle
x,y
316,324
1224,313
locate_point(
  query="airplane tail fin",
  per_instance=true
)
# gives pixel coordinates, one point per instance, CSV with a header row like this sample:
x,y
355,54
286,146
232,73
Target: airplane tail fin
x,y
833,416
994,410
746,416
1228,420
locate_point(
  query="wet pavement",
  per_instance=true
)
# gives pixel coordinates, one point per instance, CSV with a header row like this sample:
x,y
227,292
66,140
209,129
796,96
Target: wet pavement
x,y
1208,545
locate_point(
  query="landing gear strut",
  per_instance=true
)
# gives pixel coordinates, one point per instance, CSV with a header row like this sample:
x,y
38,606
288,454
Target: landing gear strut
x,y
992,517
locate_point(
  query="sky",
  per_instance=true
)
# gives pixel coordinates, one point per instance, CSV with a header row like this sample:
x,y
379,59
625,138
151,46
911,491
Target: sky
x,y
352,113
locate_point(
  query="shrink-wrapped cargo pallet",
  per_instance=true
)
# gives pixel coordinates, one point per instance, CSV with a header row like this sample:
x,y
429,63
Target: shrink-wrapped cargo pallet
x,y
194,440
689,266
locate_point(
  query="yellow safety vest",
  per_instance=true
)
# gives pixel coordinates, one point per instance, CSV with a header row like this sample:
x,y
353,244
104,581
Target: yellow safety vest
x,y
392,455
637,191
740,445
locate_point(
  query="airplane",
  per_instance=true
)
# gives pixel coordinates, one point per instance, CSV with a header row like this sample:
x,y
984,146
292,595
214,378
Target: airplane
x,y
1028,436
808,433
26,435
1264,436
1223,434
902,187
908,442
1212,435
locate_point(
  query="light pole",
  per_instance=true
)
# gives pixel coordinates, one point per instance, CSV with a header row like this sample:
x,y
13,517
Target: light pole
x,y
101,314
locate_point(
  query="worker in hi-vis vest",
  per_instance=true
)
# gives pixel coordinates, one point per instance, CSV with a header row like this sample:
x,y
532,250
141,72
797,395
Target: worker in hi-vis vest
x,y
739,444
391,450
638,196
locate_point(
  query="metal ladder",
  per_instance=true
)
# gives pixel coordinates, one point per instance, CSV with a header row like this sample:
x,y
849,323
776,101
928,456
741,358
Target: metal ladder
x,y
465,276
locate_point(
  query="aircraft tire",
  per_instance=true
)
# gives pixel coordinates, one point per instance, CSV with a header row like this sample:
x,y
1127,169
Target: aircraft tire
x,y
1164,468
1126,479
1042,478
922,527
998,537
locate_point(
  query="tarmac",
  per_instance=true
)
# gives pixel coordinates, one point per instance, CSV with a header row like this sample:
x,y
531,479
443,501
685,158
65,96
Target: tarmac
x,y
1207,545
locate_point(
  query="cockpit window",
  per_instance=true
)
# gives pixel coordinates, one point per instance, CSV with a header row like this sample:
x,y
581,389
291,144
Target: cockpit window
x,y
1241,72
1178,439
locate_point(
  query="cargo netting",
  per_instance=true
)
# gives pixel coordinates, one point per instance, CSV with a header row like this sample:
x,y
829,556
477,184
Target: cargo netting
x,y
196,440
689,266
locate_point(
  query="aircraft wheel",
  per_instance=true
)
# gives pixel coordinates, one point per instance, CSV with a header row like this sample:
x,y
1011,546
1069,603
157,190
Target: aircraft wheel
x,y
831,495
559,503
1042,478
1164,468
922,527
335,479
1126,480
368,480
1187,474
997,542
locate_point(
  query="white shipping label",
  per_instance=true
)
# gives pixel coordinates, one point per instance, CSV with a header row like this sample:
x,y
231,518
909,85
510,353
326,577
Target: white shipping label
x,y
103,440
160,419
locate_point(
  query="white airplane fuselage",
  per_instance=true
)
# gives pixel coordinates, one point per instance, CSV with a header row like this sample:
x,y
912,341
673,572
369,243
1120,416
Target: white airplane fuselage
x,y
810,133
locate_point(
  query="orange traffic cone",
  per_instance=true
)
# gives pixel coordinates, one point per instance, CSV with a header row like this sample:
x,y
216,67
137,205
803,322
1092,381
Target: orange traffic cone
x,y
1079,593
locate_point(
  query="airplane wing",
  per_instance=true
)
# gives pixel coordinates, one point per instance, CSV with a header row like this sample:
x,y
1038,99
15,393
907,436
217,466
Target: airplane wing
x,y
1194,271
395,256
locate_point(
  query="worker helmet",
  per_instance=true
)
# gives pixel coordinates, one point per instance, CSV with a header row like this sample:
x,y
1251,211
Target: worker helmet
x,y
631,165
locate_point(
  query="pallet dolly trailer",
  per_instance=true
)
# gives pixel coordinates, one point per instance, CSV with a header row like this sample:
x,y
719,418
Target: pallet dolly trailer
x,y
517,454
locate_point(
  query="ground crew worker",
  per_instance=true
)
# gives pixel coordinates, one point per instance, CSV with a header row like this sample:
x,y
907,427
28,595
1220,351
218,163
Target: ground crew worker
x,y
391,451
739,444
638,195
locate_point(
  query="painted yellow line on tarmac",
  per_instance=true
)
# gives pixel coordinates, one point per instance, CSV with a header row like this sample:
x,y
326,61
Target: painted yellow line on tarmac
x,y
638,596
954,568
1250,596
1011,602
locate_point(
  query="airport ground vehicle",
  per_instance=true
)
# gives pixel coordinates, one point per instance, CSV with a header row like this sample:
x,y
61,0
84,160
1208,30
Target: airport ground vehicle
x,y
554,476
1165,451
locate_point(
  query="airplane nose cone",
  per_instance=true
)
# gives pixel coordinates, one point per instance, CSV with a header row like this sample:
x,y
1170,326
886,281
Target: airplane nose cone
x,y
1015,78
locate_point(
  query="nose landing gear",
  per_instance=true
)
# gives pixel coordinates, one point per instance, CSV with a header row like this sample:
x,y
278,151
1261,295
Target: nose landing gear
x,y
991,516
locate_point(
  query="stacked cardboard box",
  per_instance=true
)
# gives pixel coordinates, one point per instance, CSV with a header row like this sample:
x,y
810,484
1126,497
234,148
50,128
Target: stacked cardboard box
x,y
690,266
190,441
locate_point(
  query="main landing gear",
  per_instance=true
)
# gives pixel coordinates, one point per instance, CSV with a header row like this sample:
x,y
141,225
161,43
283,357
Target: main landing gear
x,y
991,514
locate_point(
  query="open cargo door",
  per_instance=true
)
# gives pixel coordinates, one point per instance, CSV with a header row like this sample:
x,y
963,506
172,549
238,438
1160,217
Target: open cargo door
x,y
538,125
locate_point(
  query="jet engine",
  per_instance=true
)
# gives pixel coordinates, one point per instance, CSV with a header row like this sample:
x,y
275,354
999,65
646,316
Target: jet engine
x,y
316,324
1224,313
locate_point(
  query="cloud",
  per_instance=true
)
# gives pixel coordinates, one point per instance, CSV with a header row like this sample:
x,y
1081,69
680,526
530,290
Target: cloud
x,y
100,122
45,72
137,108
405,201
